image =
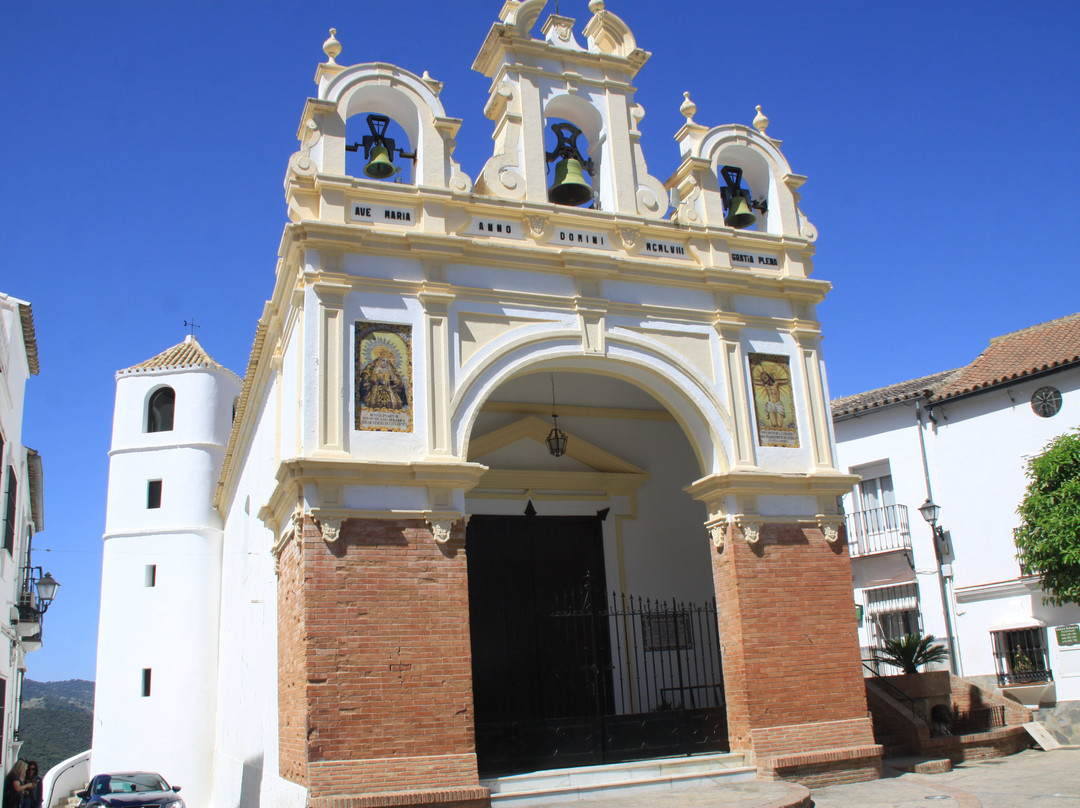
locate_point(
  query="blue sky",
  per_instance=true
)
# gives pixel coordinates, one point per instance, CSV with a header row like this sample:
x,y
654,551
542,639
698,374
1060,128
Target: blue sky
x,y
145,145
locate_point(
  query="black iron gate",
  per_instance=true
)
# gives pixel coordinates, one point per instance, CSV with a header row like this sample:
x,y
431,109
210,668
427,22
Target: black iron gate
x,y
652,682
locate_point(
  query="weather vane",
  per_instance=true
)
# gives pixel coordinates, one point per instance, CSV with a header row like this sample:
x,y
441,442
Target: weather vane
x,y
192,325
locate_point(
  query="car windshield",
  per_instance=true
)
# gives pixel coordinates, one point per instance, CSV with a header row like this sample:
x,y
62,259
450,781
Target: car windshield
x,y
131,783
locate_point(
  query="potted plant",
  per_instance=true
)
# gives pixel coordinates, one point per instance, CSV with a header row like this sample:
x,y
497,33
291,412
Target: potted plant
x,y
910,652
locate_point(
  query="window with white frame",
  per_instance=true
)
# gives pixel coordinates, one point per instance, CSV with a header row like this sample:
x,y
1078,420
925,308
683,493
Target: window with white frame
x,y
874,516
1020,656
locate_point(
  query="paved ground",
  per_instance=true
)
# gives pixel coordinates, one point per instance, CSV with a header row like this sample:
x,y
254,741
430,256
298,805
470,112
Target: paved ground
x,y
1029,780
1035,779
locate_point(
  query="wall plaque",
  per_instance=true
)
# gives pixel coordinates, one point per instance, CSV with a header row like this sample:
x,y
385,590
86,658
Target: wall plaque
x,y
666,249
774,400
498,228
383,377
363,212
1068,635
756,260
580,238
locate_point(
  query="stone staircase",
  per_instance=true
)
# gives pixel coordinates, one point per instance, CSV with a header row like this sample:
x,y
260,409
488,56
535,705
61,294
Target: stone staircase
x,y
634,777
70,801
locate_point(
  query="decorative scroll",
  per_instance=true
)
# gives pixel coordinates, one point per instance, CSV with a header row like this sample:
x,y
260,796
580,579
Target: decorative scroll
x,y
774,400
383,377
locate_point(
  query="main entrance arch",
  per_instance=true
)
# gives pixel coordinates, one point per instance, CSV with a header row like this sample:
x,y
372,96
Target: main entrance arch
x,y
593,623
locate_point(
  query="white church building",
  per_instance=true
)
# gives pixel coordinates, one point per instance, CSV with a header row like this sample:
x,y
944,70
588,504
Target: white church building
x,y
528,471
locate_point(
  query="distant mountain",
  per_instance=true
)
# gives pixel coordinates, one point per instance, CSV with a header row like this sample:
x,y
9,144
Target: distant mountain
x,y
57,720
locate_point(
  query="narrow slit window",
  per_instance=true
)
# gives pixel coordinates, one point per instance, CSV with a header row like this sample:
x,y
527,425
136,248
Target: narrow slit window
x,y
146,682
151,575
153,494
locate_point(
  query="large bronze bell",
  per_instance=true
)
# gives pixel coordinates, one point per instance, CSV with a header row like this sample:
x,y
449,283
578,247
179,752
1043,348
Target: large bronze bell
x,y
570,186
739,214
380,166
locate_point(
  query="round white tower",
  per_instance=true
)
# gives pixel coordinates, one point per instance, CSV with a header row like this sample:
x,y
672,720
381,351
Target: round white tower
x,y
157,654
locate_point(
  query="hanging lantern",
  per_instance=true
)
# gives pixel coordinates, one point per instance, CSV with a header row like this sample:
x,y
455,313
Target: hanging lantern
x,y
556,439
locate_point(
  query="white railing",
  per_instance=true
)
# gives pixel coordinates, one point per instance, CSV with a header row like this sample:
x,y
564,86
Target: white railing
x,y
878,530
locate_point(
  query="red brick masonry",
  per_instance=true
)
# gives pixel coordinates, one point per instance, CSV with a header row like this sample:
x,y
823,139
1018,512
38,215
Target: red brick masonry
x,y
792,672
375,678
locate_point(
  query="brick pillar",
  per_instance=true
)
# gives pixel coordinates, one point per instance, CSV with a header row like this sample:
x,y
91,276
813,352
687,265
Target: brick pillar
x,y
375,678
792,674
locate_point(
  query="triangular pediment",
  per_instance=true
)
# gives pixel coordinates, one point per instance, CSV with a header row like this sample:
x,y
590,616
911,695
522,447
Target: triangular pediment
x,y
584,467
534,429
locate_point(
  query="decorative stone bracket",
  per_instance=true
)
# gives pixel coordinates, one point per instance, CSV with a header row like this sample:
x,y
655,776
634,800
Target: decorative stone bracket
x,y
293,531
750,527
442,529
331,528
718,529
830,526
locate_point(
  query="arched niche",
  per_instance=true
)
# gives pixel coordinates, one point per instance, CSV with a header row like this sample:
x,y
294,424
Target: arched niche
x,y
690,399
765,172
411,102
586,117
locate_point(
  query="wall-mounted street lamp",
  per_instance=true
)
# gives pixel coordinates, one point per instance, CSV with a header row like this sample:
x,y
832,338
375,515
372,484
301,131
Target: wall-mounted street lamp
x,y
931,512
37,595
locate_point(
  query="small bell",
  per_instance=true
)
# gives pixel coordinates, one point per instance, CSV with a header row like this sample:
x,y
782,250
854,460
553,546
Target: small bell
x,y
570,186
739,214
380,166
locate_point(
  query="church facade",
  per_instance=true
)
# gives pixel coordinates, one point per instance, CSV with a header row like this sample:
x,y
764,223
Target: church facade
x,y
480,417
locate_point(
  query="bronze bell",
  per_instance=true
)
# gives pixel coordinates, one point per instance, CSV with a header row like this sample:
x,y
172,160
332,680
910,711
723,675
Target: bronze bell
x,y
739,214
380,166
570,186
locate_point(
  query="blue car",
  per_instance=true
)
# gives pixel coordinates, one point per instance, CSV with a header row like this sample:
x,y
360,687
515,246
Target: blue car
x,y
130,790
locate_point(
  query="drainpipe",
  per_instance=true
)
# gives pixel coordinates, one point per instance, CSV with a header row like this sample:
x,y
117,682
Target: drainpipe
x,y
945,599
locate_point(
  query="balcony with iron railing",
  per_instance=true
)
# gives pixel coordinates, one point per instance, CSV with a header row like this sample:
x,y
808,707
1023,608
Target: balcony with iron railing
x,y
878,530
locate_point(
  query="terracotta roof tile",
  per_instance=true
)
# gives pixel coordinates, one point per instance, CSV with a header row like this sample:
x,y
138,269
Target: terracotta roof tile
x,y
188,354
1021,353
1010,356
892,394
26,314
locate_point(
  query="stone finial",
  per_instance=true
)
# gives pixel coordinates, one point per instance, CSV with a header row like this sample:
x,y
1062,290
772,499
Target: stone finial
x,y
761,122
596,6
688,108
432,84
331,47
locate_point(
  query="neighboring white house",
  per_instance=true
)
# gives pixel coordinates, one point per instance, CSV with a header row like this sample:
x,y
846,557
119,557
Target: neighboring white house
x,y
21,516
962,439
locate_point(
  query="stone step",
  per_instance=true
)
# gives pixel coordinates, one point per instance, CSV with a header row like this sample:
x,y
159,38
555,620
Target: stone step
x,y
638,776
918,764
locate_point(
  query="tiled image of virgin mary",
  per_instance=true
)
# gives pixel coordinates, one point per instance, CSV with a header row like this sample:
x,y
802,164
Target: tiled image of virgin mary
x,y
383,377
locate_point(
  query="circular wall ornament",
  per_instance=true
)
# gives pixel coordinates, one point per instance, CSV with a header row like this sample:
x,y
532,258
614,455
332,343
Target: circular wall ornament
x,y
1046,401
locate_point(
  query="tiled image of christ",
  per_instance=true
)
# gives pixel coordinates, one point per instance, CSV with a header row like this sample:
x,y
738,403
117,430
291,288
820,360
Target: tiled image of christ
x,y
383,381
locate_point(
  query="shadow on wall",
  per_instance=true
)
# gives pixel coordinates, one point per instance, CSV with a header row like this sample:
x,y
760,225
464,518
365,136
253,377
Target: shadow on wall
x,y
250,781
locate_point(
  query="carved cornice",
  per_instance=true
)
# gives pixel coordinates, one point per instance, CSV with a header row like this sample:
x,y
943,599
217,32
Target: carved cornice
x,y
716,486
340,472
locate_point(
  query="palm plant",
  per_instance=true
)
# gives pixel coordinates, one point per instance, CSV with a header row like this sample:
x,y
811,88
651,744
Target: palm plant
x,y
910,652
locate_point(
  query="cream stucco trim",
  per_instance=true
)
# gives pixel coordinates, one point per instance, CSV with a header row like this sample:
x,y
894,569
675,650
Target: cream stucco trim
x,y
338,473
606,413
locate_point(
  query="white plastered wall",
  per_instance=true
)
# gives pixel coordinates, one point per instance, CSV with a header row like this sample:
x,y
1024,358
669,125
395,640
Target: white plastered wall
x,y
161,580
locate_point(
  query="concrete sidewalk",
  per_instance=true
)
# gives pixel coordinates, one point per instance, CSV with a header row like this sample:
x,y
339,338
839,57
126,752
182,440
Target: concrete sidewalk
x,y
1035,779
